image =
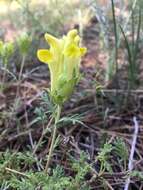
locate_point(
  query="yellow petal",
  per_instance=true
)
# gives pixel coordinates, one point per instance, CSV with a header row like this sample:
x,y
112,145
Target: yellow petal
x,y
83,51
77,40
72,33
72,51
44,55
53,41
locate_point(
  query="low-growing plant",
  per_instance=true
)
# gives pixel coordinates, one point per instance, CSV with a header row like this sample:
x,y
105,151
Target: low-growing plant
x,y
103,157
40,180
24,42
6,50
121,151
63,59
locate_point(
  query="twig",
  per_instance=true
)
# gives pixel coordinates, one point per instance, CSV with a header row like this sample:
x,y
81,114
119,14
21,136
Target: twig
x,y
121,91
109,185
16,172
131,158
6,70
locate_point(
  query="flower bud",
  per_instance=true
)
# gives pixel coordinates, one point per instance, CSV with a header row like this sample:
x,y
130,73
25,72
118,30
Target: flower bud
x,y
6,50
24,42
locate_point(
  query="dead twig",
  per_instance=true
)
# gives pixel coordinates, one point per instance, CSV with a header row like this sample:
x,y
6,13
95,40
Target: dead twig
x,y
131,158
16,172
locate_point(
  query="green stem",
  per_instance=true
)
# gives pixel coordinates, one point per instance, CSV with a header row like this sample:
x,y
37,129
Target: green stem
x,y
57,117
116,37
5,61
20,74
22,66
42,136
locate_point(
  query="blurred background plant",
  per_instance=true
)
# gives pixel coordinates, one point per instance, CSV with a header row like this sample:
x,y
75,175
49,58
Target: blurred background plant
x,y
6,51
38,17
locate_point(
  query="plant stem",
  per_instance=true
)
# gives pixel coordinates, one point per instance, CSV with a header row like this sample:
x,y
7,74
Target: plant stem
x,y
57,117
116,37
42,136
22,66
120,36
111,67
20,74
5,61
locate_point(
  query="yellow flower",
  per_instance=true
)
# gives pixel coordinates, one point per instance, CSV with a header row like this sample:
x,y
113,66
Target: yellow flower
x,y
63,59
